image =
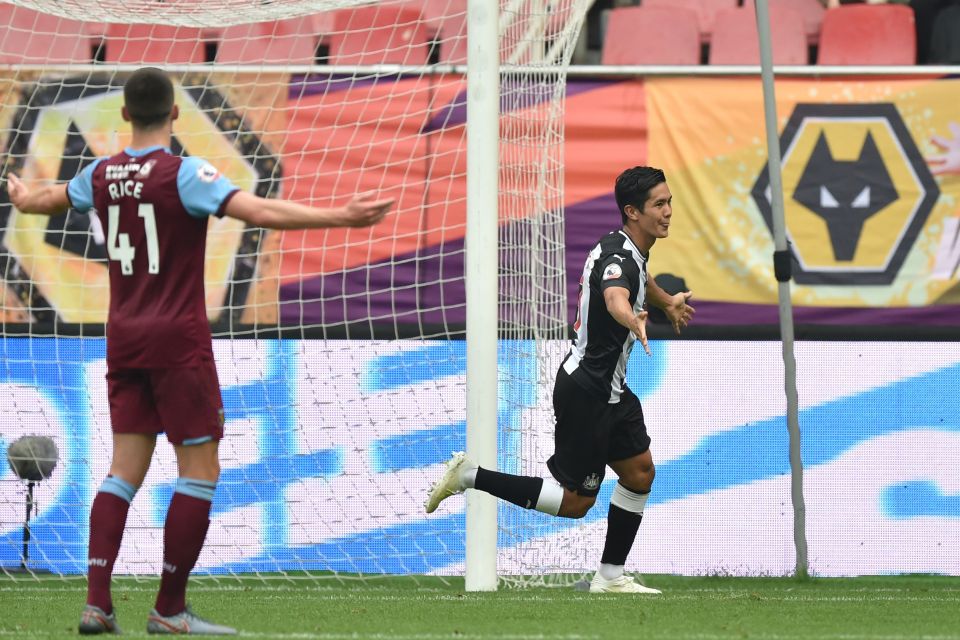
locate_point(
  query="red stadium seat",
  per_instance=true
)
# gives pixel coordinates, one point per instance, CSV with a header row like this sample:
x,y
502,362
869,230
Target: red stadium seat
x,y
651,35
735,39
281,42
706,11
379,34
30,37
868,34
155,44
447,22
811,11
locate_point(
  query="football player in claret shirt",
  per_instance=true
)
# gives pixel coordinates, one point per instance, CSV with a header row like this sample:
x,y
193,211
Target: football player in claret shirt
x,y
161,376
599,421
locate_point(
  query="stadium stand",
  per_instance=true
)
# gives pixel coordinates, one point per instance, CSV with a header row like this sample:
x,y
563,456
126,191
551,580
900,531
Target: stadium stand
x,y
154,44
447,22
811,11
706,11
280,42
868,34
381,34
735,39
30,37
945,39
651,35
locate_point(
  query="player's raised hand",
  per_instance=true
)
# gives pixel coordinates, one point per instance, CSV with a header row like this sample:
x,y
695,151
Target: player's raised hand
x,y
639,328
364,210
17,191
50,200
678,311
947,162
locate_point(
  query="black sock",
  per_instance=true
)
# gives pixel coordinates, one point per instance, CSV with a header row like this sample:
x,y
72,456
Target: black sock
x,y
622,528
522,491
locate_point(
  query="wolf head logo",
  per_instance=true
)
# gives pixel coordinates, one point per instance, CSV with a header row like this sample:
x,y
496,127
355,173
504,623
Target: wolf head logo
x,y
845,193
857,168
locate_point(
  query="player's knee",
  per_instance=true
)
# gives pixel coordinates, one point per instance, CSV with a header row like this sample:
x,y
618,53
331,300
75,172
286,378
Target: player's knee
x,y
213,471
639,479
132,474
649,473
201,462
208,470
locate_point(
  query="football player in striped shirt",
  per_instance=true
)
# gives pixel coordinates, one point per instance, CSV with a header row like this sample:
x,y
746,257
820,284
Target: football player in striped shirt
x,y
599,421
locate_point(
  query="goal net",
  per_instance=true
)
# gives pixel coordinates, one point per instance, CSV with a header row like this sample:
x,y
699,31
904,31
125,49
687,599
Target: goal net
x,y
340,352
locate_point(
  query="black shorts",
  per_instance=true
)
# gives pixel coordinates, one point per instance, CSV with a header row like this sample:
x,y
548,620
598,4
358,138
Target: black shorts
x,y
591,433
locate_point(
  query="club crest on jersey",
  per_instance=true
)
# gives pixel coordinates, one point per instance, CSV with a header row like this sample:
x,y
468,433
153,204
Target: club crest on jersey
x,y
145,169
591,482
612,272
208,173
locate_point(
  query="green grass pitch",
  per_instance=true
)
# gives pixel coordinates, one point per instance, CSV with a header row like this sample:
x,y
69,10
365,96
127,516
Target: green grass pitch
x,y
870,608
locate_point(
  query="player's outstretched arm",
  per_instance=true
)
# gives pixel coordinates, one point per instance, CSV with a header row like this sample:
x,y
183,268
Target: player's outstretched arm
x,y
675,306
362,211
50,200
618,304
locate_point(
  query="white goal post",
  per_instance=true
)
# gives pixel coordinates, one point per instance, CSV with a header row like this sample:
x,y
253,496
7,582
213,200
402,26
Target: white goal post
x,y
481,273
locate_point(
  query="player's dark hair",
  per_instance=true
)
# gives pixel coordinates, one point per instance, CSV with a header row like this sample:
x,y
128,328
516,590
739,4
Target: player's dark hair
x,y
633,187
148,96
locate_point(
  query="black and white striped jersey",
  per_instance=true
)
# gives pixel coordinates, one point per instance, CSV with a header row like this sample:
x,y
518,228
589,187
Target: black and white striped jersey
x,y
598,356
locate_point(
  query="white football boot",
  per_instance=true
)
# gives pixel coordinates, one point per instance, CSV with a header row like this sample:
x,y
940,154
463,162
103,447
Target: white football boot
x,y
451,482
186,622
621,584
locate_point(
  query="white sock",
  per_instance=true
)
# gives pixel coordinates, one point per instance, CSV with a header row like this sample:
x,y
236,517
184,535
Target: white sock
x,y
610,571
629,500
469,478
551,495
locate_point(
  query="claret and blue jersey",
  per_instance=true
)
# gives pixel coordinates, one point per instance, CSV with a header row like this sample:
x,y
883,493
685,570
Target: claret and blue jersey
x,y
154,207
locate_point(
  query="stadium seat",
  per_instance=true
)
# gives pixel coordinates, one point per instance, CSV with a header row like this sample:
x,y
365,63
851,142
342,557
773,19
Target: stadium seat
x,y
868,34
379,34
651,35
280,42
706,11
30,37
155,44
811,11
447,23
735,39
